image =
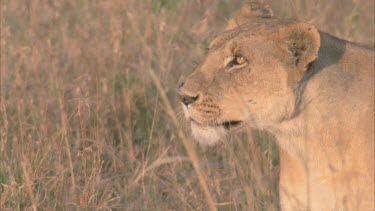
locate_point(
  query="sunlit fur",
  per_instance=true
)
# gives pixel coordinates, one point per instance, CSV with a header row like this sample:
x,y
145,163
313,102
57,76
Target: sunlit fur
x,y
312,91
208,135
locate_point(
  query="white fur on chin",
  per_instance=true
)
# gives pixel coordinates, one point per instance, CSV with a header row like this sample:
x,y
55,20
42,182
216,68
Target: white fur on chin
x,y
207,136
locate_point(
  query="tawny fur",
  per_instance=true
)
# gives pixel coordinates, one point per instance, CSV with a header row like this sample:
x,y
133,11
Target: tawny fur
x,y
314,92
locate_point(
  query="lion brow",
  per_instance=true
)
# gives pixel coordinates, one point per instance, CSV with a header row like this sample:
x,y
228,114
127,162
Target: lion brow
x,y
219,40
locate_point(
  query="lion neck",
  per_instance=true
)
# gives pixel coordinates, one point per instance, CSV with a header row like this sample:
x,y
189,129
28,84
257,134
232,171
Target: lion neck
x,y
307,121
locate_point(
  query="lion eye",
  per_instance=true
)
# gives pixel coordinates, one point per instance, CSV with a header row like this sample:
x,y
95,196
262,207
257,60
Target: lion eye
x,y
237,60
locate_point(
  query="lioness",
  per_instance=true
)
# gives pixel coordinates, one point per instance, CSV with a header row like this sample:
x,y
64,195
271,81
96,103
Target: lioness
x,y
313,91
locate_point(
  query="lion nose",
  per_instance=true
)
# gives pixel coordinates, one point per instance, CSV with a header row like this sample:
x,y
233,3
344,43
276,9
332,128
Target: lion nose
x,y
184,97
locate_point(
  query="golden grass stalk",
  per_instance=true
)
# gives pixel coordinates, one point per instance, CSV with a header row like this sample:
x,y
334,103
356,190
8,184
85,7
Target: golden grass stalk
x,y
187,143
29,183
64,135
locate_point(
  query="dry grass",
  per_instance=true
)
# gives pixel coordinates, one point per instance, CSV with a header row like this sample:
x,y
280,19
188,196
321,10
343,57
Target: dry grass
x,y
88,108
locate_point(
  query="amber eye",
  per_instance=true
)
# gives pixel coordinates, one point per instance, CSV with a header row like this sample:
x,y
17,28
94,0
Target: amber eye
x,y
237,60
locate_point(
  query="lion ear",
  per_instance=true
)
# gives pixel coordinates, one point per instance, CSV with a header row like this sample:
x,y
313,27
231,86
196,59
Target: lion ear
x,y
248,12
301,43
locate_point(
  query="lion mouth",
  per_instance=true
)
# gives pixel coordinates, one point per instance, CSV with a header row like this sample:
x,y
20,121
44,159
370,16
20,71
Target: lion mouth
x,y
227,124
231,124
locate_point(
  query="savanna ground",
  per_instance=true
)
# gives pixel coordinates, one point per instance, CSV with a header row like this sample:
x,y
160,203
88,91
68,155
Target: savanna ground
x,y
89,118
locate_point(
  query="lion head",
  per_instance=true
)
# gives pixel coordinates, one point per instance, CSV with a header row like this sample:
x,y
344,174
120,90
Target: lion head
x,y
250,74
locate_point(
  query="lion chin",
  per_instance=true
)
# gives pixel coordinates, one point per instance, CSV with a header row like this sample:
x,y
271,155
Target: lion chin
x,y
208,135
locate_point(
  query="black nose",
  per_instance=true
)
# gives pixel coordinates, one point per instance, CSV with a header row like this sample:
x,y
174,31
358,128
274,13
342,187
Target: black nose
x,y
180,85
184,97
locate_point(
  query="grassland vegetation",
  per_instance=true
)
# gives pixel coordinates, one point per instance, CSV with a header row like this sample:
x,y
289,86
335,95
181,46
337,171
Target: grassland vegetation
x,y
88,107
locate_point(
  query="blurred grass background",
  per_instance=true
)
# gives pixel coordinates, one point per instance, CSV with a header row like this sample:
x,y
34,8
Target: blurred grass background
x,y
84,126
